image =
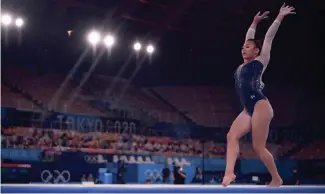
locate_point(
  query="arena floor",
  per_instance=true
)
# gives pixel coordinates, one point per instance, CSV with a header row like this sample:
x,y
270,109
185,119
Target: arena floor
x,y
124,189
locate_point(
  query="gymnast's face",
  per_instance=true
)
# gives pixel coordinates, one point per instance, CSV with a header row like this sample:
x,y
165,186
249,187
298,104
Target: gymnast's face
x,y
249,50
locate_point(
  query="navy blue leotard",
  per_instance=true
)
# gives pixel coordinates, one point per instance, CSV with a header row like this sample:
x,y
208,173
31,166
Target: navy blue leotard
x,y
248,76
248,84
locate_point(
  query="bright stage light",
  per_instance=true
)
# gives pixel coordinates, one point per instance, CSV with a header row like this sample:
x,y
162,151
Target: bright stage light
x,y
137,46
19,22
93,37
150,49
109,41
6,19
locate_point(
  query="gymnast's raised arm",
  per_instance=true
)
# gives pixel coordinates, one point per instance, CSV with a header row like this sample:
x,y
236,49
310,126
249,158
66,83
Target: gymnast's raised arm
x,y
264,57
251,31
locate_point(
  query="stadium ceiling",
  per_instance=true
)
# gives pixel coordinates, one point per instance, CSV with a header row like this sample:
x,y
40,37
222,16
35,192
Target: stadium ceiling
x,y
150,17
154,16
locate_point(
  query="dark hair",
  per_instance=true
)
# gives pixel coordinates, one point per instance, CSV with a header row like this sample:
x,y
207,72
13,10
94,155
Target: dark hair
x,y
258,44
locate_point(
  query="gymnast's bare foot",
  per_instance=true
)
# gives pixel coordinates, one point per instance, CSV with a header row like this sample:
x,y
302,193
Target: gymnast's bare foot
x,y
276,182
227,179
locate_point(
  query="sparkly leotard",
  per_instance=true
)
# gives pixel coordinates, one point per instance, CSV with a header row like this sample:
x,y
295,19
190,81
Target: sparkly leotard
x,y
248,77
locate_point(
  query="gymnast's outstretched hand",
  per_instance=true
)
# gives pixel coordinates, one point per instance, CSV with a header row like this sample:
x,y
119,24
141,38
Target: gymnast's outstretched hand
x,y
259,17
284,11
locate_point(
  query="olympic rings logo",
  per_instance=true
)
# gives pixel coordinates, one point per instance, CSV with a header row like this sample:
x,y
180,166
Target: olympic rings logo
x,y
98,159
153,175
56,176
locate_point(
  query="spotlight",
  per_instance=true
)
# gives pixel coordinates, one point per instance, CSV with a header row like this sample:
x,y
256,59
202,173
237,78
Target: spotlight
x,y
150,49
94,37
137,46
6,19
19,22
109,41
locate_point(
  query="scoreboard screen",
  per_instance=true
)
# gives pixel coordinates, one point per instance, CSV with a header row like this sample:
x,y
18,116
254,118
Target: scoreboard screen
x,y
15,173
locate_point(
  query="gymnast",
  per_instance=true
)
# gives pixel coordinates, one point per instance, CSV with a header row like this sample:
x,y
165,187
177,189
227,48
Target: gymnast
x,y
257,111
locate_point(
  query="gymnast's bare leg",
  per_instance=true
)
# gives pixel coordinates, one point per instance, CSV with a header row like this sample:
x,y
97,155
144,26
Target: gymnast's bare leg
x,y
262,116
240,127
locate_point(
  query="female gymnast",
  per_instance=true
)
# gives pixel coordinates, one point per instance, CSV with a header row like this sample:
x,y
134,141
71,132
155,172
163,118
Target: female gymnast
x,y
258,112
